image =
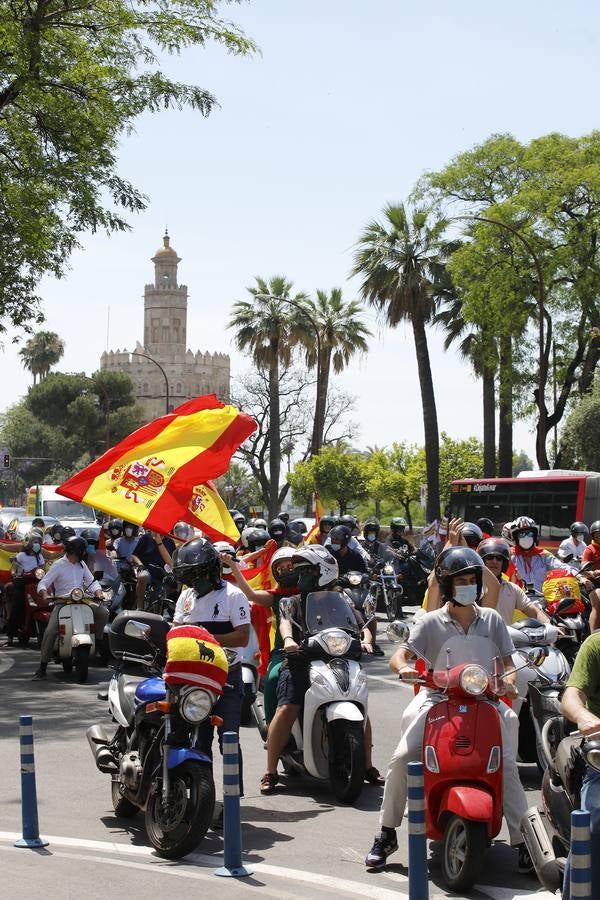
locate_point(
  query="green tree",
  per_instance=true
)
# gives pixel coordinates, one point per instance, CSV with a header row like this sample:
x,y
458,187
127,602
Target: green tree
x,y
402,264
41,352
337,475
342,334
580,436
267,327
75,76
238,488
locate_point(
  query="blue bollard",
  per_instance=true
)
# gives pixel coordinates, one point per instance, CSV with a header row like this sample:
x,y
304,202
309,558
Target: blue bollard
x,y
31,829
418,880
232,826
581,855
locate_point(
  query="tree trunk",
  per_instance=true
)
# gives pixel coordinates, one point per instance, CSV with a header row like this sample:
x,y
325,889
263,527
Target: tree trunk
x,y
378,509
320,402
406,505
430,425
505,428
274,432
489,423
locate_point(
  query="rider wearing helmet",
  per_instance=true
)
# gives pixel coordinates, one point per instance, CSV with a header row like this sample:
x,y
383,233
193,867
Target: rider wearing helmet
x,y
113,529
591,577
26,561
326,523
182,532
223,610
571,549
495,553
97,560
487,527
123,547
370,541
259,523
396,537
348,560
530,561
472,534
240,521
353,542
459,572
295,536
277,530
351,522
152,553
63,576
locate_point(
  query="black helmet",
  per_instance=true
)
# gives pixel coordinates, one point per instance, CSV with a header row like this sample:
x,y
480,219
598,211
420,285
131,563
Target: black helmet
x,y
285,517
594,527
56,532
115,527
341,534
90,535
182,531
254,538
75,545
349,521
371,529
197,563
398,523
579,528
472,534
134,528
329,521
486,525
67,532
295,536
495,546
260,523
277,530
38,522
457,561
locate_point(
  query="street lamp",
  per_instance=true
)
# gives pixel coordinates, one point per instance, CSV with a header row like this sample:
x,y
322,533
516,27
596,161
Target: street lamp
x,y
317,437
543,366
145,356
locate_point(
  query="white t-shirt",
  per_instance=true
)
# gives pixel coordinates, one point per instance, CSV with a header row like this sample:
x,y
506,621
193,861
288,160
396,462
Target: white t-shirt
x,y
27,562
568,547
511,597
219,611
65,576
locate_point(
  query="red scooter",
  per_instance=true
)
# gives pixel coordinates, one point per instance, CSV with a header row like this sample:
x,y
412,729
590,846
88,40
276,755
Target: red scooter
x,y
462,755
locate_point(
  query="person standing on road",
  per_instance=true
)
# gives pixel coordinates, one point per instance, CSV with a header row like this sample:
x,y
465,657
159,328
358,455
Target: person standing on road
x,y
459,571
65,575
581,705
223,610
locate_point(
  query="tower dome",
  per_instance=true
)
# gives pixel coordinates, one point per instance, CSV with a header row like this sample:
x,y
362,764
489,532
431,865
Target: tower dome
x,y
166,250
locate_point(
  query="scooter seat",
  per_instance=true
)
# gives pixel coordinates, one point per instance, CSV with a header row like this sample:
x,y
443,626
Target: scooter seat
x,y
127,687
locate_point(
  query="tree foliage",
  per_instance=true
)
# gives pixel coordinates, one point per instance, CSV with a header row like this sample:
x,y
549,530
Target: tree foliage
x,y
580,436
74,76
41,352
339,476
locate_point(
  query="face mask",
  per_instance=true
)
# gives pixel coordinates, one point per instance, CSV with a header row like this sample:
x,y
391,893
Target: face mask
x,y
288,578
90,549
526,542
465,594
36,548
335,547
226,570
128,532
370,537
307,582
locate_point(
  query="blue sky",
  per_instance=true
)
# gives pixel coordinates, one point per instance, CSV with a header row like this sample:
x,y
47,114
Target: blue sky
x,y
347,105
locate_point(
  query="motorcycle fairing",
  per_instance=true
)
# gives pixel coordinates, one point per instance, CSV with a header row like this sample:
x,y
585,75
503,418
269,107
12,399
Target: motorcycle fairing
x,y
150,689
178,755
474,803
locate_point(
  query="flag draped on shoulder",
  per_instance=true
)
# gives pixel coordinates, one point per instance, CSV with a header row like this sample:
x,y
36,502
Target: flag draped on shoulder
x,y
149,477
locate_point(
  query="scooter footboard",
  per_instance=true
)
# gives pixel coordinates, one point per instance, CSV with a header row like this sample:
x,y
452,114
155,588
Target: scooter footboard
x,y
472,802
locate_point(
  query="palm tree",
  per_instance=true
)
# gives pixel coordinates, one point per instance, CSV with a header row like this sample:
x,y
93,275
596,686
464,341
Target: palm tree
x,y
476,346
41,352
267,327
402,261
341,334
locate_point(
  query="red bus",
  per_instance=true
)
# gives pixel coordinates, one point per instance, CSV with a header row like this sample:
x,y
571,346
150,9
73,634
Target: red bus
x,y
555,499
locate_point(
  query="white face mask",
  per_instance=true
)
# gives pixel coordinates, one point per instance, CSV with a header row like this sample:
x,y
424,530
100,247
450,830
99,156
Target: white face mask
x,y
335,547
465,594
526,542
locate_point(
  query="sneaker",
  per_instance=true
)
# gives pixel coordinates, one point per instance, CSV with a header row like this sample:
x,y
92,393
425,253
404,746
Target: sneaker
x,y
524,865
377,651
384,844
40,675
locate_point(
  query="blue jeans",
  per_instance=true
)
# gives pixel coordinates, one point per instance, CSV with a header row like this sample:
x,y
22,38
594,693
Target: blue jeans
x,y
229,708
590,801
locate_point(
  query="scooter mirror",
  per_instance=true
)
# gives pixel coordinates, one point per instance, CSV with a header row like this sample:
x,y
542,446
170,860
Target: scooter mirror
x,y
397,632
286,607
137,630
536,657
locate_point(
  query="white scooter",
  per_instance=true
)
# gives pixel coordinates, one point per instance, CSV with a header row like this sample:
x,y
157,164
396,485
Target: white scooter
x,y
329,733
250,655
539,687
75,641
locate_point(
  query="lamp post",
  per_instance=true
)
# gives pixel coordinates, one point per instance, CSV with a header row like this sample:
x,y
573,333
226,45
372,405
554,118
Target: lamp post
x,y
145,356
317,437
541,454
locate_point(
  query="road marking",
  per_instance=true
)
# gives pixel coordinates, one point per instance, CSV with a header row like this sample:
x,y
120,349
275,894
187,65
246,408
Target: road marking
x,y
507,894
6,663
345,886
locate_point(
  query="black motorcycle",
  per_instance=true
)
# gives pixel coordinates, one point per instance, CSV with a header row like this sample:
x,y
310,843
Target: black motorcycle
x,y
154,757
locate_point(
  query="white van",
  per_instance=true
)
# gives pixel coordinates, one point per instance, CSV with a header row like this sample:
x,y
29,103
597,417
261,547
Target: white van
x,y
68,512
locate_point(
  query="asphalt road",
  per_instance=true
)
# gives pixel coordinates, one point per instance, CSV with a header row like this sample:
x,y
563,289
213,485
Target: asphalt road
x,y
299,842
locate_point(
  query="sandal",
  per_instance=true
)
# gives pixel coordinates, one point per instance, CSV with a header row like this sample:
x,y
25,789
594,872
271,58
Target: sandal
x,y
373,776
268,783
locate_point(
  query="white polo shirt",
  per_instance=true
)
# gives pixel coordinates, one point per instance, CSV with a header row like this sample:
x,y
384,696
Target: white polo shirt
x,y
219,611
64,575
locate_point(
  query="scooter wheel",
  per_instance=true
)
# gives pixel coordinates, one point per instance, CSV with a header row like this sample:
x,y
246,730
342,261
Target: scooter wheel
x,y
82,661
463,849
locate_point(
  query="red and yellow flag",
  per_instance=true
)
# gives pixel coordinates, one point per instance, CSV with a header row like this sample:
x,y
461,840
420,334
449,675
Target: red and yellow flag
x,y
148,478
207,511
318,510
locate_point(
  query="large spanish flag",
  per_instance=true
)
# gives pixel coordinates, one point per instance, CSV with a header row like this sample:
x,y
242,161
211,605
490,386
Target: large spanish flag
x,y
148,478
207,511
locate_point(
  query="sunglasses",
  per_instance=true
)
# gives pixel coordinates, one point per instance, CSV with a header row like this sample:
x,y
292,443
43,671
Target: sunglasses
x,y
495,556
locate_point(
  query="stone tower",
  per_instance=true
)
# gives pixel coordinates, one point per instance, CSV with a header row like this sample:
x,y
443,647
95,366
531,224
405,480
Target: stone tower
x,y
162,358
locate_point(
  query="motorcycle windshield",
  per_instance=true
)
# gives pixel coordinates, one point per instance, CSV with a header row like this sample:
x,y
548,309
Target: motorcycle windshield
x,y
328,609
461,649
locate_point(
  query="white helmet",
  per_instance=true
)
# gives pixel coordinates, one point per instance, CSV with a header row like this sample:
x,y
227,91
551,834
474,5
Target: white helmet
x,y
183,531
224,547
316,555
282,553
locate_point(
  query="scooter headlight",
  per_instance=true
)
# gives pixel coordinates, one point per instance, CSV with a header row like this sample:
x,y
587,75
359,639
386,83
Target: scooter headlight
x,y
388,569
591,751
39,573
474,680
354,580
337,642
195,705
77,594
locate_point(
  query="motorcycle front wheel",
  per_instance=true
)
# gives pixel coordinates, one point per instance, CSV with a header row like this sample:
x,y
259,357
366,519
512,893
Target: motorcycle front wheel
x,y
346,752
463,850
176,830
393,604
